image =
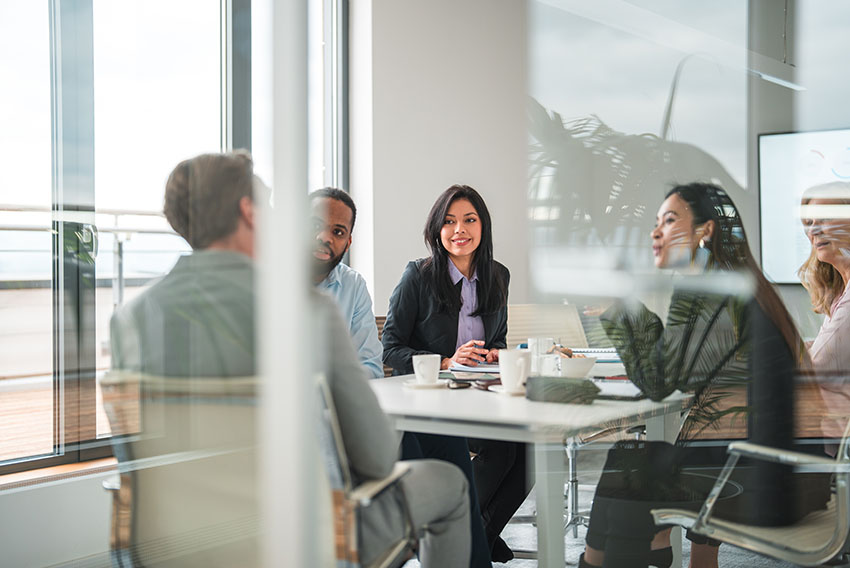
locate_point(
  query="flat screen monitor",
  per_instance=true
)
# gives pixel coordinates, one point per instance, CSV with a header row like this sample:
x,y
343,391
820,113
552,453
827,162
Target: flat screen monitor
x,y
790,163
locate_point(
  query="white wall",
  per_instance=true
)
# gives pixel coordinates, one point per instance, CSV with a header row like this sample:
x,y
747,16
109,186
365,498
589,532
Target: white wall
x,y
437,97
55,523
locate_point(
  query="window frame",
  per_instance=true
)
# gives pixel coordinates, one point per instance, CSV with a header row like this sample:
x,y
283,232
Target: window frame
x,y
73,282
336,125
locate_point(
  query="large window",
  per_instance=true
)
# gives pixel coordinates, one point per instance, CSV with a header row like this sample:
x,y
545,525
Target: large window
x,y
158,100
26,299
108,97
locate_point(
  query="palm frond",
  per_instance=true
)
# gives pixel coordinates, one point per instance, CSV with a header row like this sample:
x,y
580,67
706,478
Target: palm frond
x,y
696,349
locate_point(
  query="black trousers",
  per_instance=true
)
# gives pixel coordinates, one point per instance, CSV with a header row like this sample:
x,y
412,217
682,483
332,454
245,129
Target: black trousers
x,y
501,479
454,450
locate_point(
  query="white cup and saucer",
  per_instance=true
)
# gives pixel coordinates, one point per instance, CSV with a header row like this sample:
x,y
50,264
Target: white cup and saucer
x,y
514,366
427,370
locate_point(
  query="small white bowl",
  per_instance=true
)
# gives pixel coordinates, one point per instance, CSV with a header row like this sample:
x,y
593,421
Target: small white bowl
x,y
576,367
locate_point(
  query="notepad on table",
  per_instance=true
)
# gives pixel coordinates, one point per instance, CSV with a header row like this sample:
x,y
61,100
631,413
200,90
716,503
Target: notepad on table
x,y
480,368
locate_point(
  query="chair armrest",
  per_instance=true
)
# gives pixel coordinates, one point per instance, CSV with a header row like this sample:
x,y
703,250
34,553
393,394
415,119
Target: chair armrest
x,y
590,438
698,522
368,490
680,517
788,457
112,483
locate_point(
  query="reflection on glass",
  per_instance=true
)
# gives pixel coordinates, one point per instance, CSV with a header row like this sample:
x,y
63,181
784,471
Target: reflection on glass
x,y
181,395
625,106
133,251
628,115
825,213
719,346
157,95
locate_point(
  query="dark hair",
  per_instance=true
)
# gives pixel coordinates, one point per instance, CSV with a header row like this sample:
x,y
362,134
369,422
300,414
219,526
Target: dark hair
x,y
492,289
202,196
729,250
339,195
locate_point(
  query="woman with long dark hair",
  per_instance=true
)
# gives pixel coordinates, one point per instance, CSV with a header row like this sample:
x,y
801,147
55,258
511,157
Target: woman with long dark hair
x,y
454,303
713,341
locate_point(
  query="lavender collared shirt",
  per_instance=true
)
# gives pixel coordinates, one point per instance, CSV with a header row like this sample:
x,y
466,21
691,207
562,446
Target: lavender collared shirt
x,y
469,327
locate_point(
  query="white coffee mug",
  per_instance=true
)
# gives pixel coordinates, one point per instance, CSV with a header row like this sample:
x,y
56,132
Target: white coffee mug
x,y
514,365
544,359
426,368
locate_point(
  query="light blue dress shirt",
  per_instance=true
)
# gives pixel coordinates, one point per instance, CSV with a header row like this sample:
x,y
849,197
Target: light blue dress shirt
x,y
349,290
468,327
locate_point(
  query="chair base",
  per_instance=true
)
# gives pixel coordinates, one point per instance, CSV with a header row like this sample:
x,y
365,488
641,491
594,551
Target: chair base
x,y
575,521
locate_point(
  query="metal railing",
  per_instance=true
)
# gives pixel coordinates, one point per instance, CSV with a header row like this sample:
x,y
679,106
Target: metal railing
x,y
120,233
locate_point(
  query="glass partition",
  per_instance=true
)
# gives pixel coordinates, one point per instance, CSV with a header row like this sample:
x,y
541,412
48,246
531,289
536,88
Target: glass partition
x,y
645,213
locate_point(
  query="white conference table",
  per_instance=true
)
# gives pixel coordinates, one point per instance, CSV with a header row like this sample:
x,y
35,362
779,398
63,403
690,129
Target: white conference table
x,y
482,414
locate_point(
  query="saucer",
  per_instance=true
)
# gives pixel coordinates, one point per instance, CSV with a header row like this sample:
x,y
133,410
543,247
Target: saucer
x,y
413,384
501,390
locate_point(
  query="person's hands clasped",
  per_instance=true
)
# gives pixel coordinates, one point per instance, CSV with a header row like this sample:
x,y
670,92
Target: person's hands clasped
x,y
470,353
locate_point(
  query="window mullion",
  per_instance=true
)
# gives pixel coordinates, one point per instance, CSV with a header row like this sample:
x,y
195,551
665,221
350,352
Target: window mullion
x,y
75,241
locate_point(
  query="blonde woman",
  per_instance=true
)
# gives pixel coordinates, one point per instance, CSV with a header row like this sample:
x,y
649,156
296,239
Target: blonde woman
x,y
825,214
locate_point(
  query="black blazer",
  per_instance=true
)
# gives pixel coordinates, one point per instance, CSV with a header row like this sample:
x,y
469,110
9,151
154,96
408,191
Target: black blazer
x,y
415,325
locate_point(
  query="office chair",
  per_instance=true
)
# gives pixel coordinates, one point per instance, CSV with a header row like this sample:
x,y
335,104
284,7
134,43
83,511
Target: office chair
x,y
379,322
186,460
349,501
563,323
575,517
558,321
818,538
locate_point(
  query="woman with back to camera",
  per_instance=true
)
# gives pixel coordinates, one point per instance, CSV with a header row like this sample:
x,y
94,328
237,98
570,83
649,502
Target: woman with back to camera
x,y
712,340
454,303
825,274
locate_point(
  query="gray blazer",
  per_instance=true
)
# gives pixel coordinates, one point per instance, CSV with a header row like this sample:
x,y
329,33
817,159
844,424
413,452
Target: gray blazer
x,y
198,321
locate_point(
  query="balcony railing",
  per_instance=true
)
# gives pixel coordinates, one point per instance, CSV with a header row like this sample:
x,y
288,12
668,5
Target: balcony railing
x,y
122,224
